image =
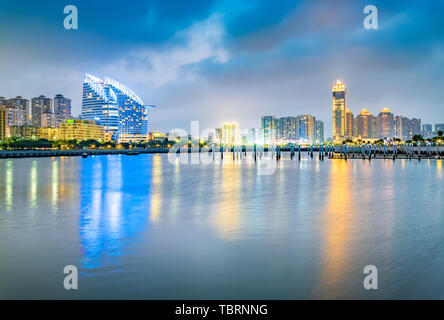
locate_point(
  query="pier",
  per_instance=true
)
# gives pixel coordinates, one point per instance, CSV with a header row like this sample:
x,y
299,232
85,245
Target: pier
x,y
345,152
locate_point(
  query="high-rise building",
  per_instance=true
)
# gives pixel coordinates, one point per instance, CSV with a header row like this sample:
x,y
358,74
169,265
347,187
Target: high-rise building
x,y
385,125
115,107
427,131
48,120
339,111
21,110
40,107
3,102
306,128
439,127
349,124
364,124
62,109
230,132
287,128
319,137
269,127
402,128
4,127
415,128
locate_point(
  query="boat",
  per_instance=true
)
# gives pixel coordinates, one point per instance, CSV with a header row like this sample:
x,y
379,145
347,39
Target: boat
x,y
132,153
84,155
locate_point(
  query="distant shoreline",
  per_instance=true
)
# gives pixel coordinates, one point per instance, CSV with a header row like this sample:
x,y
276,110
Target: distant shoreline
x,y
6,154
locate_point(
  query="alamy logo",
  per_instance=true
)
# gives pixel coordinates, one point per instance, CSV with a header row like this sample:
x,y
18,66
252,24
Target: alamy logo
x,y
71,20
371,20
371,281
71,280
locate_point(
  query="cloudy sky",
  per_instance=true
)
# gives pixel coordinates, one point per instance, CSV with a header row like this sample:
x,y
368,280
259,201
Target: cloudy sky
x,y
231,60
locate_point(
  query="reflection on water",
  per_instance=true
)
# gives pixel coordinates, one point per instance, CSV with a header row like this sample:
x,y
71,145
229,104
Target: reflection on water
x,y
439,168
142,227
339,219
226,210
33,184
9,180
156,198
107,227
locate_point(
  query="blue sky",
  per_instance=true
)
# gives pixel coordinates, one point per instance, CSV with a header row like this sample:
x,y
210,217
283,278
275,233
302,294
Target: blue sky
x,y
231,60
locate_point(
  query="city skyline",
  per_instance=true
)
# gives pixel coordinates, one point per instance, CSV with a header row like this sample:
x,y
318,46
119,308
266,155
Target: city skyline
x,y
196,62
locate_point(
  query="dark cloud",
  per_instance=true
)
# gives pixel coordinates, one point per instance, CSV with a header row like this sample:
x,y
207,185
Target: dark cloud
x,y
231,60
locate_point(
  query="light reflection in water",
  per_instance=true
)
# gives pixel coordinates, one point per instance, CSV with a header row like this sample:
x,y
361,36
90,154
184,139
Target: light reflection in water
x,y
156,197
107,228
9,185
439,168
227,215
55,184
114,196
337,228
33,185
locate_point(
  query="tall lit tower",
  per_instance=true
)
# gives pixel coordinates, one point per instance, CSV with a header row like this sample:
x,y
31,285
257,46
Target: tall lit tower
x,y
339,111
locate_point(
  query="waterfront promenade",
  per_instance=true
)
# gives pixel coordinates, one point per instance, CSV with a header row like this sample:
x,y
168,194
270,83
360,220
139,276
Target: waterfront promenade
x,y
73,153
331,152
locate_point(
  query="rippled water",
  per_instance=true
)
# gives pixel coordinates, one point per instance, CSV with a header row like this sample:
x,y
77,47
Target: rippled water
x,y
141,227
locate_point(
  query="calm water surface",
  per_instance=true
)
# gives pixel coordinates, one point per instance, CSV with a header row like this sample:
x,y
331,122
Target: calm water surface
x,y
140,227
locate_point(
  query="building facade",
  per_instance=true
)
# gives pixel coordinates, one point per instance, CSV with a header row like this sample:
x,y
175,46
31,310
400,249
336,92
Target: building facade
x,y
339,111
75,129
319,131
19,107
306,128
364,125
269,128
115,107
349,124
230,133
385,125
40,107
24,132
4,126
62,109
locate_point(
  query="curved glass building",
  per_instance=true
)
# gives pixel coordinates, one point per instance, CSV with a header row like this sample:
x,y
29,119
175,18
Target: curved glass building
x,y
115,107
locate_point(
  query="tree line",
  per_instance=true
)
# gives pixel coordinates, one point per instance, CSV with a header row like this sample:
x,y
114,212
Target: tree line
x,y
20,144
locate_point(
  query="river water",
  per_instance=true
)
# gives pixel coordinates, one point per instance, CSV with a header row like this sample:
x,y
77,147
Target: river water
x,y
144,227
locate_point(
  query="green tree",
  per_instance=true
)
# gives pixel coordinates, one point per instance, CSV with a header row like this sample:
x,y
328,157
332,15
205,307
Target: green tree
x,y
417,138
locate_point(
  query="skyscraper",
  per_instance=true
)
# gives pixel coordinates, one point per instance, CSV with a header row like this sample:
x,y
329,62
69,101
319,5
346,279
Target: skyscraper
x,y
269,127
4,127
230,133
116,107
339,111
62,109
319,131
402,128
364,124
306,128
415,127
19,111
349,124
385,124
287,128
40,107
